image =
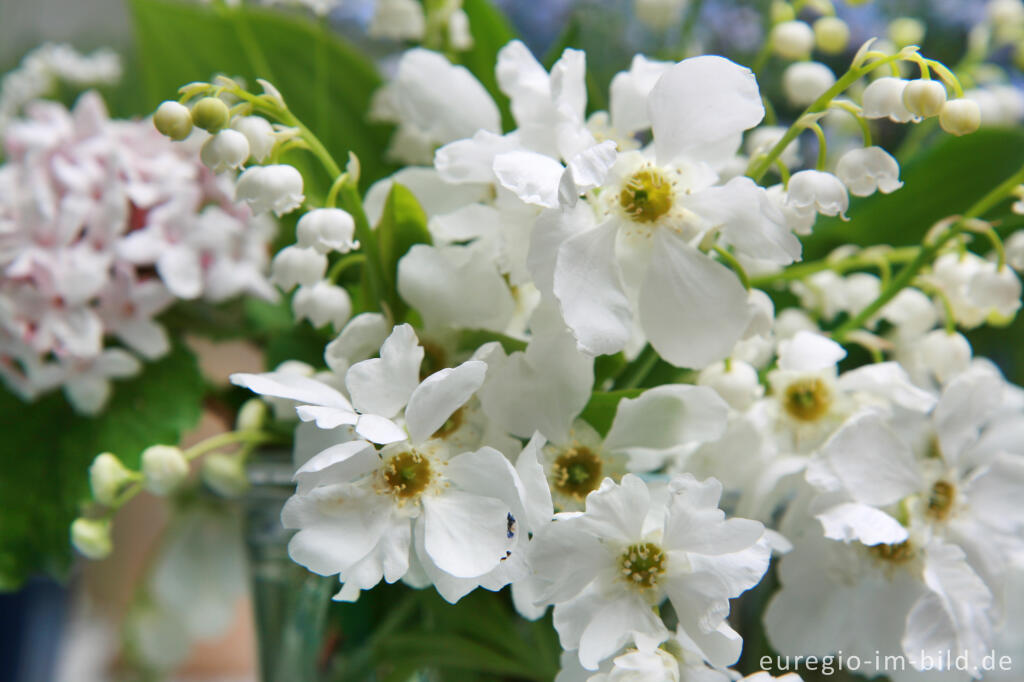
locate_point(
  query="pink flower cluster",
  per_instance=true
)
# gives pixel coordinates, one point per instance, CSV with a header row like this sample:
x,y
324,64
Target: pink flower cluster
x,y
103,225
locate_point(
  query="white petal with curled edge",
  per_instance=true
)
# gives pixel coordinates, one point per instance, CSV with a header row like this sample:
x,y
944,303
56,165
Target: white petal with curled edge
x,y
383,385
532,177
890,381
629,92
181,271
615,623
327,417
539,507
293,387
667,417
472,160
465,535
868,525
809,352
337,464
439,396
692,309
699,103
590,167
588,285
550,230
335,454
379,429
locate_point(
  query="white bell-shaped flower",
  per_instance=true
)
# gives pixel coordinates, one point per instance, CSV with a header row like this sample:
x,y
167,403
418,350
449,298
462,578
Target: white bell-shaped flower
x,y
258,132
865,170
805,82
226,150
275,188
883,98
792,39
737,383
820,191
322,302
326,230
297,265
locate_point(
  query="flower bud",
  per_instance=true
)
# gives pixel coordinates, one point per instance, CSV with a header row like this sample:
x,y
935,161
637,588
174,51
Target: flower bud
x,y
108,478
211,114
960,116
460,37
818,190
831,35
792,39
252,415
321,303
398,20
883,98
326,230
865,170
227,149
997,292
225,474
738,385
659,14
297,265
782,12
945,354
1014,246
805,82
164,468
173,119
259,133
91,537
275,188
906,31
924,97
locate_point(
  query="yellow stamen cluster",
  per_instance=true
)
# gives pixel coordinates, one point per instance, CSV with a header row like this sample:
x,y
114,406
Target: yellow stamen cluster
x,y
642,563
408,474
577,472
807,399
896,554
941,499
646,196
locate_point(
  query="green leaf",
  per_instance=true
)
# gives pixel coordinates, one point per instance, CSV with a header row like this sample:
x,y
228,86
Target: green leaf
x,y
326,82
943,180
48,449
600,410
471,339
491,31
402,224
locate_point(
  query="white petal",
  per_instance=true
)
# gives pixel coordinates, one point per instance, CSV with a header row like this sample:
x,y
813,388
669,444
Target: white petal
x,y
667,417
532,177
439,396
692,309
809,352
181,271
465,535
383,385
379,429
700,102
588,284
868,525
293,387
890,381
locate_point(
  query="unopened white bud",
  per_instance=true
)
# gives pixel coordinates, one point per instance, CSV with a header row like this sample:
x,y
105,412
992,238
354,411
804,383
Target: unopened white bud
x,y
326,230
905,31
259,133
659,14
108,478
297,265
459,35
173,119
781,12
211,114
960,116
945,354
792,39
924,97
820,191
252,415
1014,247
805,82
225,474
91,537
883,98
321,303
865,170
164,468
831,34
996,291
275,188
226,150
738,385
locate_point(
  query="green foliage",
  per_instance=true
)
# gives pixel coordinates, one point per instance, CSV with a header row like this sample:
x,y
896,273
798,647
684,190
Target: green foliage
x,y
402,224
48,449
325,81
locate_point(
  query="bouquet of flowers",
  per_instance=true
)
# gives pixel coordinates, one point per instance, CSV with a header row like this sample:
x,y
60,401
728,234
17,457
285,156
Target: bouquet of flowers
x,y
673,370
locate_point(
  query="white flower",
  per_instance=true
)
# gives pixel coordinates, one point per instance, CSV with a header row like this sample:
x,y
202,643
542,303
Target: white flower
x,y
805,82
164,468
228,149
326,230
606,569
924,98
865,170
398,20
819,191
295,265
258,132
792,39
960,116
883,98
275,188
976,289
736,382
322,303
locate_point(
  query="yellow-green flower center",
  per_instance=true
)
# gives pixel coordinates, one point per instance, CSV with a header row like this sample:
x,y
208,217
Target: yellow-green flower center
x,y
896,554
646,196
807,399
577,472
642,563
940,500
408,474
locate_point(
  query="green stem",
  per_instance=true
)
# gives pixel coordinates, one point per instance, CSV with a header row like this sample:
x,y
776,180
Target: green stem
x,y
351,202
344,263
635,372
855,262
926,254
229,438
735,265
